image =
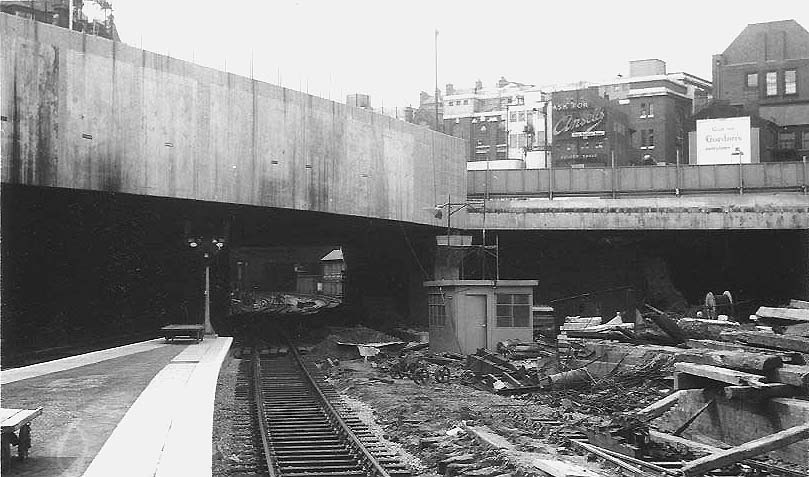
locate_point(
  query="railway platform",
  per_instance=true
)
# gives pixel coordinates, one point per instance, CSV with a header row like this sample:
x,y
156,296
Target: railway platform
x,y
144,409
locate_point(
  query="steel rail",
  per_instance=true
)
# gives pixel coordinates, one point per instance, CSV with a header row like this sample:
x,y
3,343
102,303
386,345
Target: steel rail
x,y
260,414
371,464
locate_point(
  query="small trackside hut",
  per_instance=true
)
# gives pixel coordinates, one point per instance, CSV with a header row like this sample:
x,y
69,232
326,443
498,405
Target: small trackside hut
x,y
466,315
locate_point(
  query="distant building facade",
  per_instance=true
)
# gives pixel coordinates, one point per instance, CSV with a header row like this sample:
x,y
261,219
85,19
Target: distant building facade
x,y
503,125
657,105
765,72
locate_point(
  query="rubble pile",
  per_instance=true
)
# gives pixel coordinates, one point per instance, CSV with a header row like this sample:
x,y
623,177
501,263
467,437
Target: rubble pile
x,y
664,394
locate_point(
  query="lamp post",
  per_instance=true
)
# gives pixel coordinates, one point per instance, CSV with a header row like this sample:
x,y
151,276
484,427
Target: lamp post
x,y
738,152
548,161
209,247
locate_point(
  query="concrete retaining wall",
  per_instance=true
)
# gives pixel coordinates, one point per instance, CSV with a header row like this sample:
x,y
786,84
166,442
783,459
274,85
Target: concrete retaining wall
x,y
83,112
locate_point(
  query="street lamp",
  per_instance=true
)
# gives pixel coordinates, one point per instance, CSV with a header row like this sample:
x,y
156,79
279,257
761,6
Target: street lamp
x,y
438,211
738,152
209,247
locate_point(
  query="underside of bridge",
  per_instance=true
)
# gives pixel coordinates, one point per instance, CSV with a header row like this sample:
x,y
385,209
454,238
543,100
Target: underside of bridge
x,y
82,266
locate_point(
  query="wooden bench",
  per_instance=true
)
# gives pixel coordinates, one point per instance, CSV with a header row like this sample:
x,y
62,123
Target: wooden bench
x,y
17,421
194,332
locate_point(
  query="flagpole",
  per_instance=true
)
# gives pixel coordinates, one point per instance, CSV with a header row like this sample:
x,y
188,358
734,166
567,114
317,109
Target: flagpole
x,y
436,83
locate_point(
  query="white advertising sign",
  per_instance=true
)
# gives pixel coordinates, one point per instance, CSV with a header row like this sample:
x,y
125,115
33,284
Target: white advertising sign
x,y
719,141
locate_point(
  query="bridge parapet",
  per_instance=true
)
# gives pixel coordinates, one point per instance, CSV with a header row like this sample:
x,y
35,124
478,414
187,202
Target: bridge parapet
x,y
706,212
641,181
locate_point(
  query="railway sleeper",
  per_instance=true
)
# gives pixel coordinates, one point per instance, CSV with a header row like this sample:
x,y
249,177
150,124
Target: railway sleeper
x,y
318,474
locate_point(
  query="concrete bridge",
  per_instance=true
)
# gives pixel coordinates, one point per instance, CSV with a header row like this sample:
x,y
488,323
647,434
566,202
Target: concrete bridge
x,y
82,112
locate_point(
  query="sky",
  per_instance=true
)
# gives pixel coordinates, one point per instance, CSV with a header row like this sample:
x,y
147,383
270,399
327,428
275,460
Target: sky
x,y
387,48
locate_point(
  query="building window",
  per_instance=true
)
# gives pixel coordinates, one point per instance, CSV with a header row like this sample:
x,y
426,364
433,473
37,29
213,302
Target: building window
x,y
521,116
643,110
651,111
465,102
786,140
752,80
790,82
513,311
805,141
647,138
772,83
513,117
436,310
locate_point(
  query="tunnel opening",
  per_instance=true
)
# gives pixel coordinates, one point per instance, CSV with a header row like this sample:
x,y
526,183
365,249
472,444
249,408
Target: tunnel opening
x,y
83,270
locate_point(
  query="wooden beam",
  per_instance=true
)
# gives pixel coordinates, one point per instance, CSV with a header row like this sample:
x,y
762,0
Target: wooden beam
x,y
796,375
792,357
658,408
769,340
799,304
682,443
715,373
723,458
789,314
739,360
762,391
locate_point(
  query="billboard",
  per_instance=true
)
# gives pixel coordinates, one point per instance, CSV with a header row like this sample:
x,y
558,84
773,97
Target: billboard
x,y
720,141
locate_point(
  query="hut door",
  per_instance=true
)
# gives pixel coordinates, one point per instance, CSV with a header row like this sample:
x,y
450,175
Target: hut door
x,y
474,333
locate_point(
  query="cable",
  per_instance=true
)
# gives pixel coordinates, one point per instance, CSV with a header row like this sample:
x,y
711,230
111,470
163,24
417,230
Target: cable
x,y
413,252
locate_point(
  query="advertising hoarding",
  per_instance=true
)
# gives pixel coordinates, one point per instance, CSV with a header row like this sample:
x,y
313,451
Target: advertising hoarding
x,y
719,141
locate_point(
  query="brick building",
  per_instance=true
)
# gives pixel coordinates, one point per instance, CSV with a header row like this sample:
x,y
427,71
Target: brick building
x,y
587,129
503,124
657,105
765,71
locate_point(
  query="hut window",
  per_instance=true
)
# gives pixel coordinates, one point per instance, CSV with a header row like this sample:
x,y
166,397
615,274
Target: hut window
x,y
436,310
513,311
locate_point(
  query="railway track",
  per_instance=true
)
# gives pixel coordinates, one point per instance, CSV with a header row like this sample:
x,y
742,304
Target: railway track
x,y
305,430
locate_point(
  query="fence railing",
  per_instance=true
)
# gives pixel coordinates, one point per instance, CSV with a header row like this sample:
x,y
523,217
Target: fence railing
x,y
640,180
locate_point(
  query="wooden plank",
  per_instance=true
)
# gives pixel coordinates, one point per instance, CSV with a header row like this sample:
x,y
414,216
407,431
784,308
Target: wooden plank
x,y
683,443
767,340
715,373
182,327
658,408
796,375
801,329
799,304
615,460
723,458
792,357
790,314
762,391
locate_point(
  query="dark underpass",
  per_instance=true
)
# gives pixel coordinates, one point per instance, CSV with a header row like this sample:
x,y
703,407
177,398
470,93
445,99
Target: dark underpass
x,y
83,270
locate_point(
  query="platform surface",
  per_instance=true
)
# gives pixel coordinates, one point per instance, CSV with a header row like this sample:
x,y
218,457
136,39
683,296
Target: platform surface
x,y
143,410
